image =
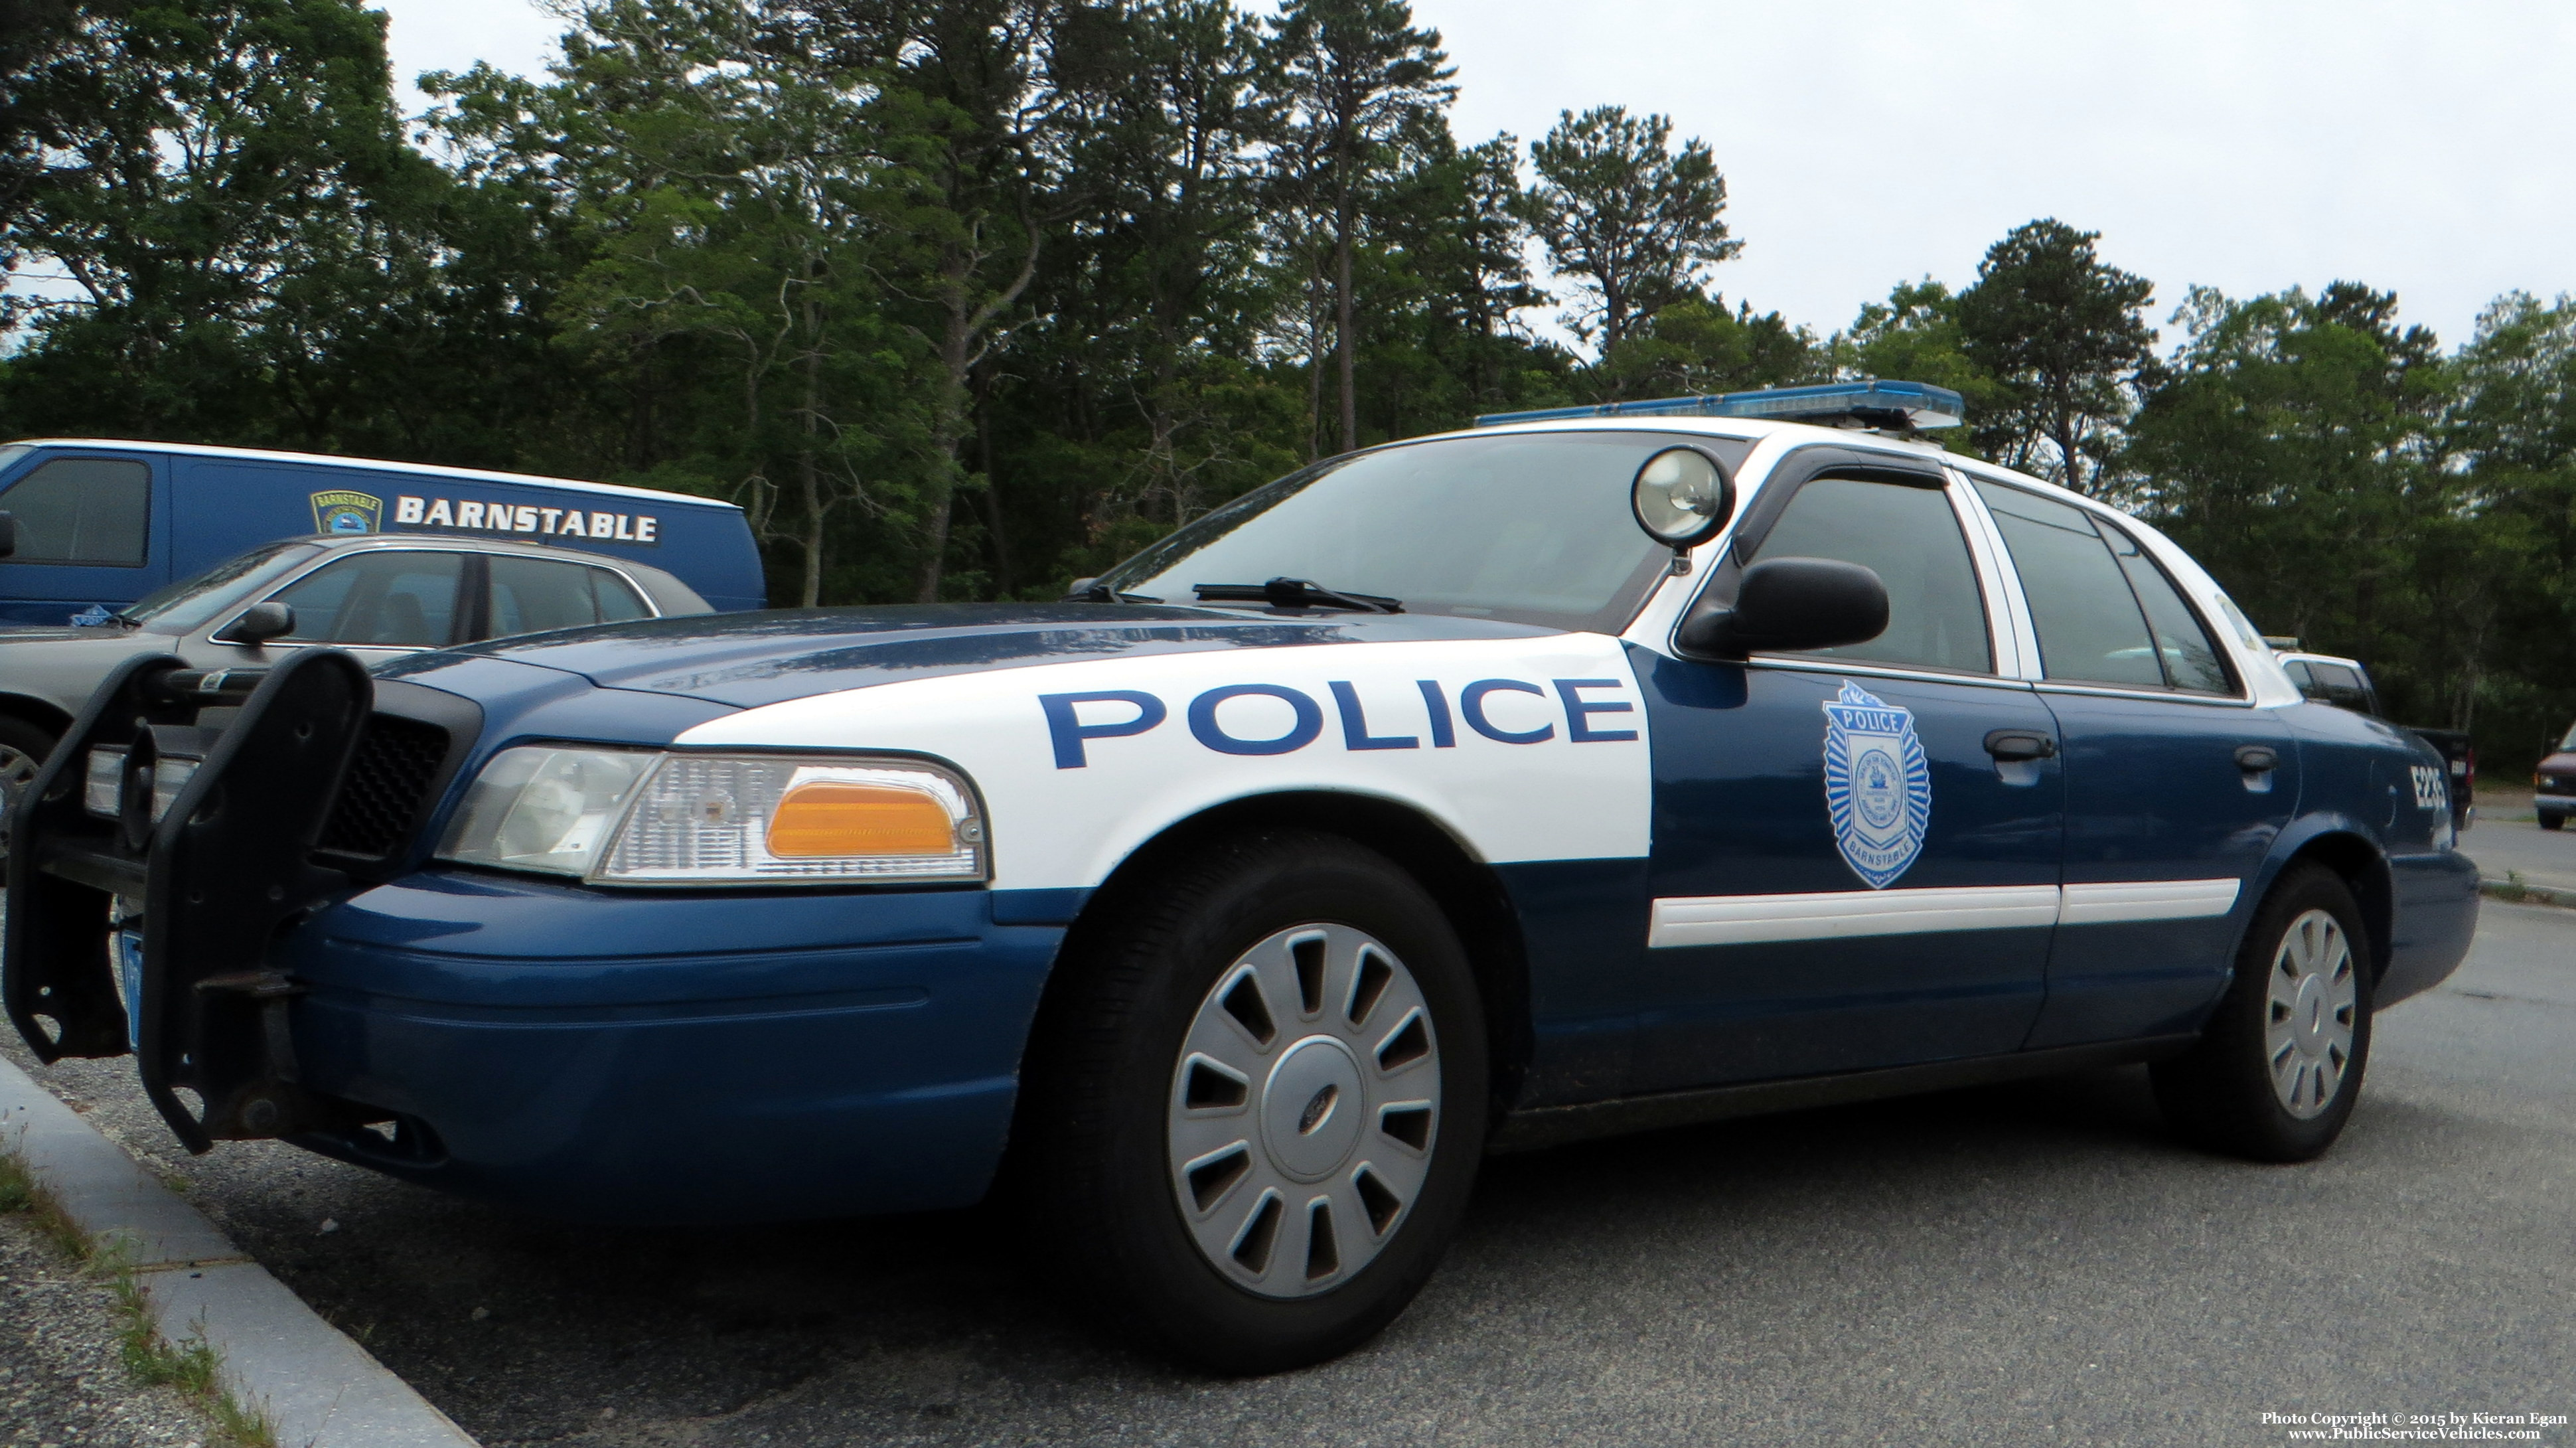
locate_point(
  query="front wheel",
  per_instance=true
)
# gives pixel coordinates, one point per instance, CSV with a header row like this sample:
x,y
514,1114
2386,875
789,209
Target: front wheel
x,y
2553,822
23,748
1257,1104
2280,1064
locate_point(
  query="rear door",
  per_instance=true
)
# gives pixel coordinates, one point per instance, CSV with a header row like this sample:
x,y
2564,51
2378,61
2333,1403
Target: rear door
x,y
1844,876
88,535
2176,785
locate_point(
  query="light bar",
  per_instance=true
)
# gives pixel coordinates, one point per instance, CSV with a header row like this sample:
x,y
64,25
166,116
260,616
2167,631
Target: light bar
x,y
1907,405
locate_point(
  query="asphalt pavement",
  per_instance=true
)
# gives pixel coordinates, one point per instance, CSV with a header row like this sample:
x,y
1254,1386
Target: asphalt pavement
x,y
2522,847
2034,1264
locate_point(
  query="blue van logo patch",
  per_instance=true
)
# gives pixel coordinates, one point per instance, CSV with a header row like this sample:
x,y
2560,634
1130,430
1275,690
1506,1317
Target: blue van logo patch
x,y
340,511
1878,785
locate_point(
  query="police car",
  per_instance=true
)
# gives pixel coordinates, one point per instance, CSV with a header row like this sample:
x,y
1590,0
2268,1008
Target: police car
x,y
1576,773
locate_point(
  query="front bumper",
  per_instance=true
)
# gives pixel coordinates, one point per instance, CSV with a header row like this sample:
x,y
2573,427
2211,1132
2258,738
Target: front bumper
x,y
650,1057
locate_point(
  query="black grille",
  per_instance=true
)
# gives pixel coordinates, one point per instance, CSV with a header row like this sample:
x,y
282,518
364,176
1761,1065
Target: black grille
x,y
381,801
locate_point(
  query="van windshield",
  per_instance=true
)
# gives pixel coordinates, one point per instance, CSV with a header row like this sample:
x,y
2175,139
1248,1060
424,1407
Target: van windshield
x,y
178,607
2568,744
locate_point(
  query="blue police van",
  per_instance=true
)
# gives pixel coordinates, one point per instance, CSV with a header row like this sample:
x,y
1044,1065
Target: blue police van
x,y
100,524
1575,773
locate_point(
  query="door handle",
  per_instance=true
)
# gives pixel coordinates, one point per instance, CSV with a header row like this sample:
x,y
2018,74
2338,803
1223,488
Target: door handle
x,y
2257,758
2010,745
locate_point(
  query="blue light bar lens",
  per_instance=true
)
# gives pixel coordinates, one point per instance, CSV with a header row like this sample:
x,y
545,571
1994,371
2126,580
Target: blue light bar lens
x,y
1886,404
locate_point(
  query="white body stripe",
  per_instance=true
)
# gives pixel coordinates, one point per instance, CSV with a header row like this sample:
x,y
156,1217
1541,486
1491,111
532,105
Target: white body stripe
x,y
1844,914
1838,914
1055,825
2147,900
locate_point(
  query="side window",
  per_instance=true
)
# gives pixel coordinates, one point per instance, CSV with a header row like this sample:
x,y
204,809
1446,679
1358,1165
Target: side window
x,y
82,510
618,600
395,599
530,595
2338,685
1936,617
2090,628
2190,657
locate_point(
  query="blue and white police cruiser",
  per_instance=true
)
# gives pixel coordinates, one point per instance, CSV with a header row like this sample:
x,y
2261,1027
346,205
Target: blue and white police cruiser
x,y
1582,772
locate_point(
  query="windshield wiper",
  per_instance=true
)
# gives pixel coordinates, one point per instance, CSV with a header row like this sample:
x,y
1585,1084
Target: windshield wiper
x,y
1296,593
1092,590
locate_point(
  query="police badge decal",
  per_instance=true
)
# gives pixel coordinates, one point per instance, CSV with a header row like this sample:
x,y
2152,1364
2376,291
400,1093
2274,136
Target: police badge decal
x,y
343,511
1878,785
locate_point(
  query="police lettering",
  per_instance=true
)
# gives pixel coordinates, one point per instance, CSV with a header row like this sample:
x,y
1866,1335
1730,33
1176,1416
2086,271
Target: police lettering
x,y
480,516
1074,721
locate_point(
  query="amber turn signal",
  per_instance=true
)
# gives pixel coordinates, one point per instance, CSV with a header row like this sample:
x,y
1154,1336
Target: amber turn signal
x,y
841,818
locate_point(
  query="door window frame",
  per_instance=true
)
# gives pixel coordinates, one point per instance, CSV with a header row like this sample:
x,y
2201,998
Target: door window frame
x,y
2031,667
2007,624
456,614
41,458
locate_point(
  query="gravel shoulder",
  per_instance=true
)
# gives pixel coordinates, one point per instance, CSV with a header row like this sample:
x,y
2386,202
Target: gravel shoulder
x,y
63,1380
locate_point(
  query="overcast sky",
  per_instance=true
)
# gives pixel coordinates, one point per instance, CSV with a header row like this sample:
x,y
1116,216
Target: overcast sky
x,y
2250,147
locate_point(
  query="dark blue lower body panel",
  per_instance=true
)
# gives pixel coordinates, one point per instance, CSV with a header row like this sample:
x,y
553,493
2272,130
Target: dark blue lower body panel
x,y
2436,914
665,1058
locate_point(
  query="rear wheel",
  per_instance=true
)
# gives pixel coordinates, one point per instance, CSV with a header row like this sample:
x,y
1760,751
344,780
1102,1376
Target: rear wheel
x,y
23,748
2277,1071
1257,1108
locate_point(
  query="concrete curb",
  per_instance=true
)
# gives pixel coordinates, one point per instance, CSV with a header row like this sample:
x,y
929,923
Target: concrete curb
x,y
319,1388
2513,894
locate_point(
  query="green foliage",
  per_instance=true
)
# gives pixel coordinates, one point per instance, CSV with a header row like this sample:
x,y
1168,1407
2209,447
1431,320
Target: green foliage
x,y
1637,221
2064,335
965,298
1695,345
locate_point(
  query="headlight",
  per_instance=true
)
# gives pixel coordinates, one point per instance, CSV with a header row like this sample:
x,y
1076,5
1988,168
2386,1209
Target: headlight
x,y
625,817
103,782
106,780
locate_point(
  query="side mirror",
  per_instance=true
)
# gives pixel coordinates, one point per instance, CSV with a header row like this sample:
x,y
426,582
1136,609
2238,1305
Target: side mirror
x,y
8,534
1785,605
259,623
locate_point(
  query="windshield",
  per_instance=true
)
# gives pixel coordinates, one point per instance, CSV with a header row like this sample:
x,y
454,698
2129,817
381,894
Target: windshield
x,y
1532,528
179,607
2568,744
12,452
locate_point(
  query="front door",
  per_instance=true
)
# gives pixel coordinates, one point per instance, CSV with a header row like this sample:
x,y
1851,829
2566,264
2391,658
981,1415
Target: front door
x,y
1845,873
2176,785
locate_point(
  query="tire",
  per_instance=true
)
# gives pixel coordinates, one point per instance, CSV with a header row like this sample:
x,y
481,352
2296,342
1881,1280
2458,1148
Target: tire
x,y
1256,1205
2280,1064
23,748
2553,822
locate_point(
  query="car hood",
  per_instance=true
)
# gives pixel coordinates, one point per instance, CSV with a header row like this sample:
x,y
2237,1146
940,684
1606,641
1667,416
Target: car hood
x,y
750,659
2562,762
38,634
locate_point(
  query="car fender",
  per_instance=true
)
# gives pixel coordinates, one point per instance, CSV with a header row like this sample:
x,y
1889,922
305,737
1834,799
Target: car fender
x,y
1523,749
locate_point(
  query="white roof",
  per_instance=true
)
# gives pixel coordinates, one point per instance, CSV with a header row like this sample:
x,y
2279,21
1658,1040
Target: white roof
x,y
427,470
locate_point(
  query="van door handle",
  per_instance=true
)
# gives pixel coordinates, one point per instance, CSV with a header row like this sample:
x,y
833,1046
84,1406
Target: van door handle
x,y
2010,745
2257,758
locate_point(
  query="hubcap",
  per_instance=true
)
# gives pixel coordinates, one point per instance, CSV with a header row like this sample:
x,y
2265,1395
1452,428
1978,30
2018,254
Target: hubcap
x,y
1303,1110
2310,1011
